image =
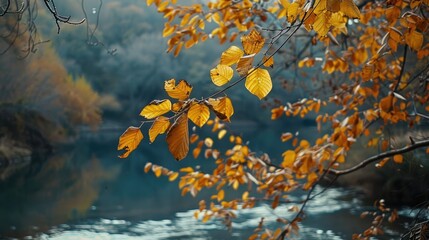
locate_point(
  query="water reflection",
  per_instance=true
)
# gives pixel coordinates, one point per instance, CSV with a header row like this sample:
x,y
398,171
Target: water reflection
x,y
86,192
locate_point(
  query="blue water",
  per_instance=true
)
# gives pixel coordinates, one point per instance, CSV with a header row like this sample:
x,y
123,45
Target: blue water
x,y
86,192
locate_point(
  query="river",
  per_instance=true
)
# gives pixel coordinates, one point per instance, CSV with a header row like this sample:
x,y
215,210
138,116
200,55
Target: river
x,y
85,192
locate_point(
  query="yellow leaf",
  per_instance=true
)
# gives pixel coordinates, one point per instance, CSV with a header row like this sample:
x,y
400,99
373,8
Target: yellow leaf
x,y
258,82
245,64
321,24
253,42
414,39
398,158
292,12
159,126
129,140
173,176
268,61
349,8
199,113
288,159
149,2
178,138
156,108
221,74
221,134
180,91
220,195
157,170
231,56
222,107
187,169
208,142
245,195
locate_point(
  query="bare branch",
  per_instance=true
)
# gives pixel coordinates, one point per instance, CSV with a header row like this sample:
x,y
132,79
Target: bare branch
x,y
380,156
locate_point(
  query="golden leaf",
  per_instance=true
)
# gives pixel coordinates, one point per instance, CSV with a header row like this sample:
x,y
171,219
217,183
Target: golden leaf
x,y
292,12
159,126
321,24
199,113
245,64
220,195
268,61
173,176
333,5
221,134
414,39
156,108
129,141
222,107
221,74
288,159
349,8
180,91
253,42
231,56
258,82
208,142
178,138
398,158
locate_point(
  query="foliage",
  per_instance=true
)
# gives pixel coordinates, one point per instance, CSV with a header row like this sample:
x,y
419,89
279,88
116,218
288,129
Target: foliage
x,y
370,59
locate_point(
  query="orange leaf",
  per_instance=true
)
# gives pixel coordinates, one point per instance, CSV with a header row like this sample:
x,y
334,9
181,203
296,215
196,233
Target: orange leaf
x,y
220,195
414,39
222,107
173,176
268,61
156,108
286,136
178,138
231,56
180,91
349,8
199,114
129,140
288,159
398,158
159,126
253,42
221,134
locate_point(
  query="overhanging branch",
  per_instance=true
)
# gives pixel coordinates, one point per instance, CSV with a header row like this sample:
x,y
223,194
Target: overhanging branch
x,y
380,156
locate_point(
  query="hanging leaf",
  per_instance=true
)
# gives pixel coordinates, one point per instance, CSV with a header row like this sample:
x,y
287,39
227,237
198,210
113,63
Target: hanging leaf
x,y
178,138
156,108
268,61
222,107
398,158
199,113
159,126
321,24
288,159
253,42
221,74
245,64
414,39
180,91
259,83
349,8
231,56
129,141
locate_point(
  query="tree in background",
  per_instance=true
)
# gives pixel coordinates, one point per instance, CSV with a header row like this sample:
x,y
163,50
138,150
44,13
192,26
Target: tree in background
x,y
368,75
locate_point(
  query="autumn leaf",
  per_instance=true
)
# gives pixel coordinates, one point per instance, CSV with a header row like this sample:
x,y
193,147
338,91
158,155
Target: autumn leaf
x,y
414,39
253,42
199,113
221,74
258,82
288,159
321,24
349,8
181,91
398,158
268,61
245,64
156,108
222,107
178,138
129,141
231,56
159,126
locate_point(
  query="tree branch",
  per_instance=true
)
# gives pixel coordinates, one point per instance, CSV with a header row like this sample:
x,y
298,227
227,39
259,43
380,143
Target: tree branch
x,y
380,156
